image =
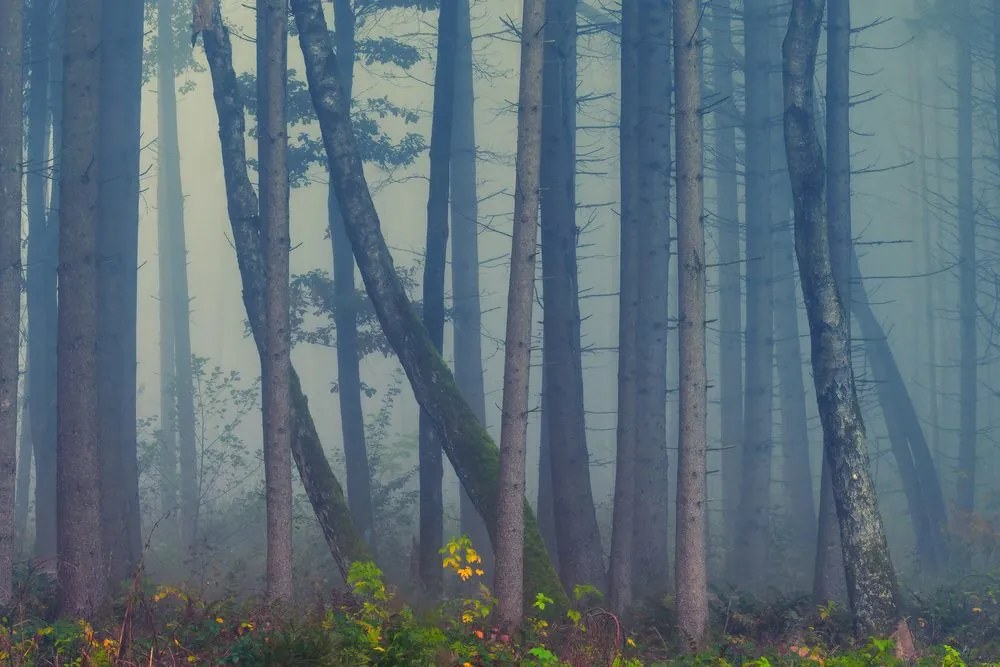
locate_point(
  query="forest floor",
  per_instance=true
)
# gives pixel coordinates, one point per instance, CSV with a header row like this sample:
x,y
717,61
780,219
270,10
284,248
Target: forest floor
x,y
161,625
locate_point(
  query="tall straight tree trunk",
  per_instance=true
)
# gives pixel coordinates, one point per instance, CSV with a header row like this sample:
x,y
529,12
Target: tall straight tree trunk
x,y
325,494
691,569
797,469
431,462
118,243
467,444
871,581
649,537
726,118
467,312
581,559
623,519
44,96
11,145
520,299
546,496
82,575
352,422
751,555
968,360
22,494
171,207
276,363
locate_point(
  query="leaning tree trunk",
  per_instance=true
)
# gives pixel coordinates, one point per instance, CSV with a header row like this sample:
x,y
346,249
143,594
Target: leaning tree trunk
x,y
435,258
649,538
691,569
871,580
322,488
118,243
82,577
753,534
581,559
509,519
465,441
466,309
352,421
276,363
44,97
726,117
11,145
623,519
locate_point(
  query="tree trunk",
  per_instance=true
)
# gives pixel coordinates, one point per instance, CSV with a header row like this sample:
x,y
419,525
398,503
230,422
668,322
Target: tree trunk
x,y
871,581
45,58
276,362
797,469
22,494
431,463
968,360
11,145
170,204
623,519
510,524
691,571
322,488
118,243
468,446
913,456
352,420
581,559
726,117
546,497
750,558
649,537
467,313
82,574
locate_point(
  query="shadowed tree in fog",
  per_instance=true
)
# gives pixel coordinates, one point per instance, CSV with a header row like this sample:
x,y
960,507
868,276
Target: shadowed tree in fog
x,y
276,361
82,577
435,259
691,561
11,144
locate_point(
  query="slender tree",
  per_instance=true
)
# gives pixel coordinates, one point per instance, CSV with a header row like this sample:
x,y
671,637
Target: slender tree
x,y
871,580
431,463
118,242
750,556
517,356
276,363
82,577
11,144
22,493
691,568
623,520
580,553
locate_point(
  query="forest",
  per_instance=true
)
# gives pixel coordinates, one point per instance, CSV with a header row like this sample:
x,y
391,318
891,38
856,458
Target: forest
x,y
469,332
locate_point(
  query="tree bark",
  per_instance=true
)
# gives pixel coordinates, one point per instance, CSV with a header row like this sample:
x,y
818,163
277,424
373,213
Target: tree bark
x,y
468,446
22,493
276,362
11,145
726,117
118,243
649,537
44,95
871,580
325,494
431,462
510,524
750,558
623,519
581,559
467,313
691,570
352,421
968,359
545,506
82,574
